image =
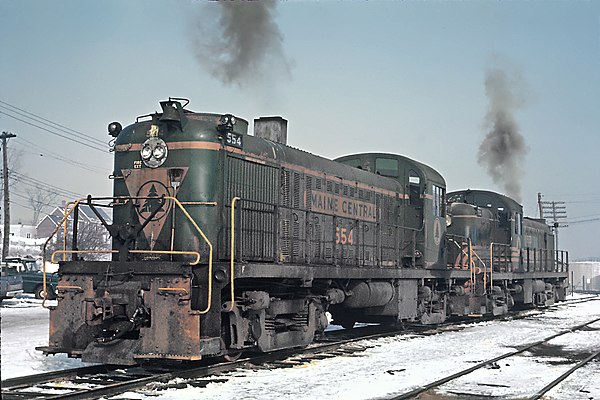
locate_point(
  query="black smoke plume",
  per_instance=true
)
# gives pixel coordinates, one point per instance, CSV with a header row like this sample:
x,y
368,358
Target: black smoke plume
x,y
239,42
503,150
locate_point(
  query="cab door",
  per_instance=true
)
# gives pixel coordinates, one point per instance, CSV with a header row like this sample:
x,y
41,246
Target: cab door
x,y
412,246
414,206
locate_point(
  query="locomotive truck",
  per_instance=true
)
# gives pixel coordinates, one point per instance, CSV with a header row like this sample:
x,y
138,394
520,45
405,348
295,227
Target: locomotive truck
x,y
224,242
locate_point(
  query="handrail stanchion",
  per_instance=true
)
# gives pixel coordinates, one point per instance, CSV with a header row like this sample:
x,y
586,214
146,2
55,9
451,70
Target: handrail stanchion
x,y
491,265
76,203
471,270
210,252
232,251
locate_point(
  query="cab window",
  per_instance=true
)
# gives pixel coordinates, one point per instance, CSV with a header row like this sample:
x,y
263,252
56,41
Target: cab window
x,y
438,201
503,218
518,223
387,167
353,162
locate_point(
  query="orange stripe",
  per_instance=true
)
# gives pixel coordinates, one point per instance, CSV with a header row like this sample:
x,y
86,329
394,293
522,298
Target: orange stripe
x,y
183,146
263,160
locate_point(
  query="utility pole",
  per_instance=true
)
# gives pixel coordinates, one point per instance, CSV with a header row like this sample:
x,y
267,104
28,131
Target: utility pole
x,y
554,211
6,231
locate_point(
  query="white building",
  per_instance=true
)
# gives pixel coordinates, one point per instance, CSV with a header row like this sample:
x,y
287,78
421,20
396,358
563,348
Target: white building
x,y
23,231
585,275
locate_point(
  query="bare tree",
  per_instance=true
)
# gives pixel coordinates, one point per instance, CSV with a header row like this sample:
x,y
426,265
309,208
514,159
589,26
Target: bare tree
x,y
40,200
92,237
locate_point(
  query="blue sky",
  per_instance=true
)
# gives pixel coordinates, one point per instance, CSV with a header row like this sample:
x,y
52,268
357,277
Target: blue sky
x,y
402,77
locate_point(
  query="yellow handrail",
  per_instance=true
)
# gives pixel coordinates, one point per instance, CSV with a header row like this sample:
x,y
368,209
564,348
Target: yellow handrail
x,y
48,241
168,252
177,202
484,275
491,265
471,270
231,267
171,289
66,222
210,252
199,203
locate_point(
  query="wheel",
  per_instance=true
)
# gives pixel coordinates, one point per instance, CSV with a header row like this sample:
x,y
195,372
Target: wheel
x,y
39,293
348,324
233,356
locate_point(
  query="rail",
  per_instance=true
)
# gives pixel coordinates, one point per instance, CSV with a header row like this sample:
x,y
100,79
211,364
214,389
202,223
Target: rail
x,y
520,349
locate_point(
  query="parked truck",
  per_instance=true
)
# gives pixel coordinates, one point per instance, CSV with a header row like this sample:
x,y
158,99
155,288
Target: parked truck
x,y
32,275
11,283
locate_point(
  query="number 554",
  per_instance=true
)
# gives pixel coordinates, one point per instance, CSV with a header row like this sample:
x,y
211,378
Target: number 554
x,y
344,235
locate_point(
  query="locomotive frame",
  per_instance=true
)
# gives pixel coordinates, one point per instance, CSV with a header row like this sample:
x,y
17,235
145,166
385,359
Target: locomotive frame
x,y
225,242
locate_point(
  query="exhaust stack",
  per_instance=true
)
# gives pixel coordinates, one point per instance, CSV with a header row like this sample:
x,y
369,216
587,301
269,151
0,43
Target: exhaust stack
x,y
271,128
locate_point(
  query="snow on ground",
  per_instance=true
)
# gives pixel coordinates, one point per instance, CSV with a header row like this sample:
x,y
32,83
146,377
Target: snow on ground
x,y
24,325
388,367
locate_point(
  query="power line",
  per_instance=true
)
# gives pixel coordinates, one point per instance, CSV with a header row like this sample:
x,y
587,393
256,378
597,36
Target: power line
x,y
21,205
584,221
57,191
21,195
55,133
47,153
37,183
47,122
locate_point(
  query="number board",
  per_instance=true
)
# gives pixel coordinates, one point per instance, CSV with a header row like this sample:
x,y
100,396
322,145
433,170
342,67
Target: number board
x,y
233,139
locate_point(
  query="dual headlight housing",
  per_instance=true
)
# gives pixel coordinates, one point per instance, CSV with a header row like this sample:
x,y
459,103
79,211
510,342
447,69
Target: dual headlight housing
x,y
154,152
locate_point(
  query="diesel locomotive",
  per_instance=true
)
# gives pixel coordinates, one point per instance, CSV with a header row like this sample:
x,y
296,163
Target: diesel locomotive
x,y
224,242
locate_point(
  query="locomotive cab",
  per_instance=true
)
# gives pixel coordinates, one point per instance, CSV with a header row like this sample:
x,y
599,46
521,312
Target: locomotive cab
x,y
423,207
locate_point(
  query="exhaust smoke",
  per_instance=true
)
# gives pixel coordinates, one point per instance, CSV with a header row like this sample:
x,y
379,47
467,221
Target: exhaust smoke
x,y
239,42
503,150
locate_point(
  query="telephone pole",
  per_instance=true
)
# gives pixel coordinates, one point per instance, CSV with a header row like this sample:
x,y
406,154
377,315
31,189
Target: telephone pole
x,y
554,211
6,231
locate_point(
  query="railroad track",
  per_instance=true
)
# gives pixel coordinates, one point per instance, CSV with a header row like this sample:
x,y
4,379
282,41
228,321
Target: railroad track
x,y
106,380
430,387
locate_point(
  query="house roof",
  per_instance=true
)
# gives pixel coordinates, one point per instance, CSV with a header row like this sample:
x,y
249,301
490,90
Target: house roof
x,y
85,213
89,214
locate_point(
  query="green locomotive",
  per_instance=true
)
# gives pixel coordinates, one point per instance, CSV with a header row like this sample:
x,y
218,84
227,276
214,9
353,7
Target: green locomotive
x,y
225,242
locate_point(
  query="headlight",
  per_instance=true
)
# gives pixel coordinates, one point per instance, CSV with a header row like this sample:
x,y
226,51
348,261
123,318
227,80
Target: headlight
x,y
159,151
226,123
154,152
146,152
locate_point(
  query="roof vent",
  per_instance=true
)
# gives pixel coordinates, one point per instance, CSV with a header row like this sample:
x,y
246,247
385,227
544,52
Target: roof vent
x,y
271,128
